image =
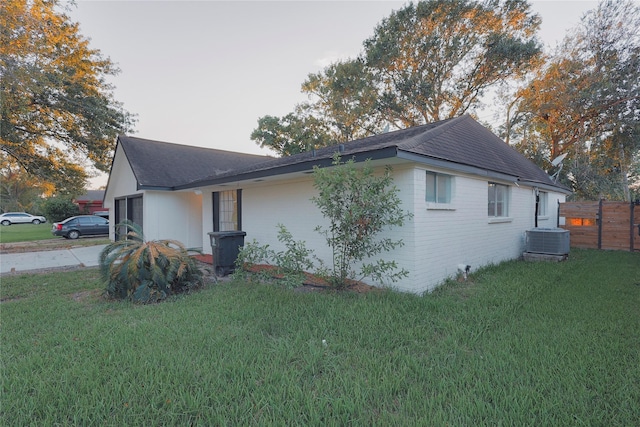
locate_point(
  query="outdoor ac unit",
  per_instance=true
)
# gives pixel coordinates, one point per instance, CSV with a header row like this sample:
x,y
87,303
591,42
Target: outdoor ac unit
x,y
553,241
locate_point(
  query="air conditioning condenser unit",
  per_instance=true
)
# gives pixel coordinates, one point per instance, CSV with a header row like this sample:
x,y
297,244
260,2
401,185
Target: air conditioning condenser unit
x,y
552,241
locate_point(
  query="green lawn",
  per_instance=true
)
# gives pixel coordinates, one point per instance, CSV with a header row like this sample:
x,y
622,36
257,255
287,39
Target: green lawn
x,y
25,232
526,344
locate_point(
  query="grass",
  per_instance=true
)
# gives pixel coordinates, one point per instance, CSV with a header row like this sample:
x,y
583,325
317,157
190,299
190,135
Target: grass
x,y
519,344
25,233
29,237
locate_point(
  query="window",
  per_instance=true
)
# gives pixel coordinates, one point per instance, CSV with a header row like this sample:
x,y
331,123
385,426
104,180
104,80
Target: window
x,y
438,188
581,222
498,198
542,203
100,221
128,208
227,210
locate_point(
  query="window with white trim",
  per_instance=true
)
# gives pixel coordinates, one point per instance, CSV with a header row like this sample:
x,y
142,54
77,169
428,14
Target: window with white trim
x,y
438,187
543,201
498,200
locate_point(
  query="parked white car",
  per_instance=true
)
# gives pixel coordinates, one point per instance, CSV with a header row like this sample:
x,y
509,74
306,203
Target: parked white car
x,y
9,218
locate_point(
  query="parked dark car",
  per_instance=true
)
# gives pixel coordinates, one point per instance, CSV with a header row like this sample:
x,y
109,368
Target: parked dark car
x,y
21,218
82,225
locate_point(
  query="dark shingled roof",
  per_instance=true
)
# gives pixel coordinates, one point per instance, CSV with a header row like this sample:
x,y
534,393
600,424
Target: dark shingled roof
x,y
91,195
465,141
163,165
460,143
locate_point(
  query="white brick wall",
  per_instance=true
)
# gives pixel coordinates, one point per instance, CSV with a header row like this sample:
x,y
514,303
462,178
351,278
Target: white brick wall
x,y
464,234
175,216
288,203
436,240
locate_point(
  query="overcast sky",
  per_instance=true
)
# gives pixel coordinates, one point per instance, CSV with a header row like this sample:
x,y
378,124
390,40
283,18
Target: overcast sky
x,y
203,72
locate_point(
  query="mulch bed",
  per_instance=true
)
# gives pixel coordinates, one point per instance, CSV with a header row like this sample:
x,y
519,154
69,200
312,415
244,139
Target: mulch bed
x,y
311,282
207,259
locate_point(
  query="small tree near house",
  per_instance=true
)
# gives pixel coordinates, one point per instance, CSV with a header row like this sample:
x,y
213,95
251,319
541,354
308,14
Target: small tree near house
x,y
359,206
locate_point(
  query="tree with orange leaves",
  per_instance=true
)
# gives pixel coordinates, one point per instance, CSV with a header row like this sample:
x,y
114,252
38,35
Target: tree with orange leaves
x,y
585,102
57,112
436,59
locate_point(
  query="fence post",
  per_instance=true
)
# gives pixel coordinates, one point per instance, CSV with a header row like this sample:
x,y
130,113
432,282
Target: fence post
x,y
599,221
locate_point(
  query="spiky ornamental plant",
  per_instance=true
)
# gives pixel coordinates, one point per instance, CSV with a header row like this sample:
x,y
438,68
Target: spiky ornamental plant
x,y
359,206
147,271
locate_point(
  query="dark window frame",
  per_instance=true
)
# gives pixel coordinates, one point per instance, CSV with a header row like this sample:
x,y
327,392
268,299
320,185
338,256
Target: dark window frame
x,y
215,202
128,203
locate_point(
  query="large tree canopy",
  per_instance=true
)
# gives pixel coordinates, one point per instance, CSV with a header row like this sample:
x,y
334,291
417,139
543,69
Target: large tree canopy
x,y
346,99
425,62
344,108
435,59
18,190
585,102
57,110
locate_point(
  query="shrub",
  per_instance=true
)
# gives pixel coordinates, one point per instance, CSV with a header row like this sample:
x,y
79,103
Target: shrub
x,y
147,271
290,264
359,206
297,257
59,208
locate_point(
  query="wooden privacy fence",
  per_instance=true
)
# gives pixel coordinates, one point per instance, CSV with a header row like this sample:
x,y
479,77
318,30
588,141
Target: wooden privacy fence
x,y
602,225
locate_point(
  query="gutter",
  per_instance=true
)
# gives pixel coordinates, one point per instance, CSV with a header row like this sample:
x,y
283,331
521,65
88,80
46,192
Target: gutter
x,y
304,166
361,156
473,170
544,186
458,167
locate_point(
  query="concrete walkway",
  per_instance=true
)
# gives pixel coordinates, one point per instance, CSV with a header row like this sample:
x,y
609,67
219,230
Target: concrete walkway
x,y
86,256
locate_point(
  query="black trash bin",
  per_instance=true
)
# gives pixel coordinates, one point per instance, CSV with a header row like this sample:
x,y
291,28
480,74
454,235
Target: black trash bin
x,y
225,247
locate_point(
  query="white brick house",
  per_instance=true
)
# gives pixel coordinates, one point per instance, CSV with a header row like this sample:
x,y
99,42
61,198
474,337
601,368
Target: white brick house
x,y
471,195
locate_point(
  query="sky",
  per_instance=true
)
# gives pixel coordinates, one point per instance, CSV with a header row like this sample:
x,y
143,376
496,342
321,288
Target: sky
x,y
202,72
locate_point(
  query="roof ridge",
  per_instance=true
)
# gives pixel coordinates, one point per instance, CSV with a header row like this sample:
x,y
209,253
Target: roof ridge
x,y
186,146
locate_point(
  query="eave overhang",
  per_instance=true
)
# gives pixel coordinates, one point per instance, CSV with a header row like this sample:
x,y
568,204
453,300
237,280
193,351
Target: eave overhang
x,y
303,166
380,154
474,170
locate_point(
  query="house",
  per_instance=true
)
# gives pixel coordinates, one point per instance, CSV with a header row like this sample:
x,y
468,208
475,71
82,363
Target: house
x,y
143,186
90,202
472,196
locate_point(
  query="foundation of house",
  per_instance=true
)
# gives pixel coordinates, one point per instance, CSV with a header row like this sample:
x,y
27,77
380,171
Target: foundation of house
x,y
531,256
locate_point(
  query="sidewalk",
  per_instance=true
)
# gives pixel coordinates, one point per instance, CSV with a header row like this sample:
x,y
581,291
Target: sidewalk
x,y
86,256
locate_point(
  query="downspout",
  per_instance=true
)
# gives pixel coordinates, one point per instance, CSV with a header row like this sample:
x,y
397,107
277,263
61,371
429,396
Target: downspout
x,y
537,192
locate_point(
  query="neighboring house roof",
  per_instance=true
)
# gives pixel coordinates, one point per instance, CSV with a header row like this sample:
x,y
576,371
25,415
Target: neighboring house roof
x,y
163,165
460,144
90,196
